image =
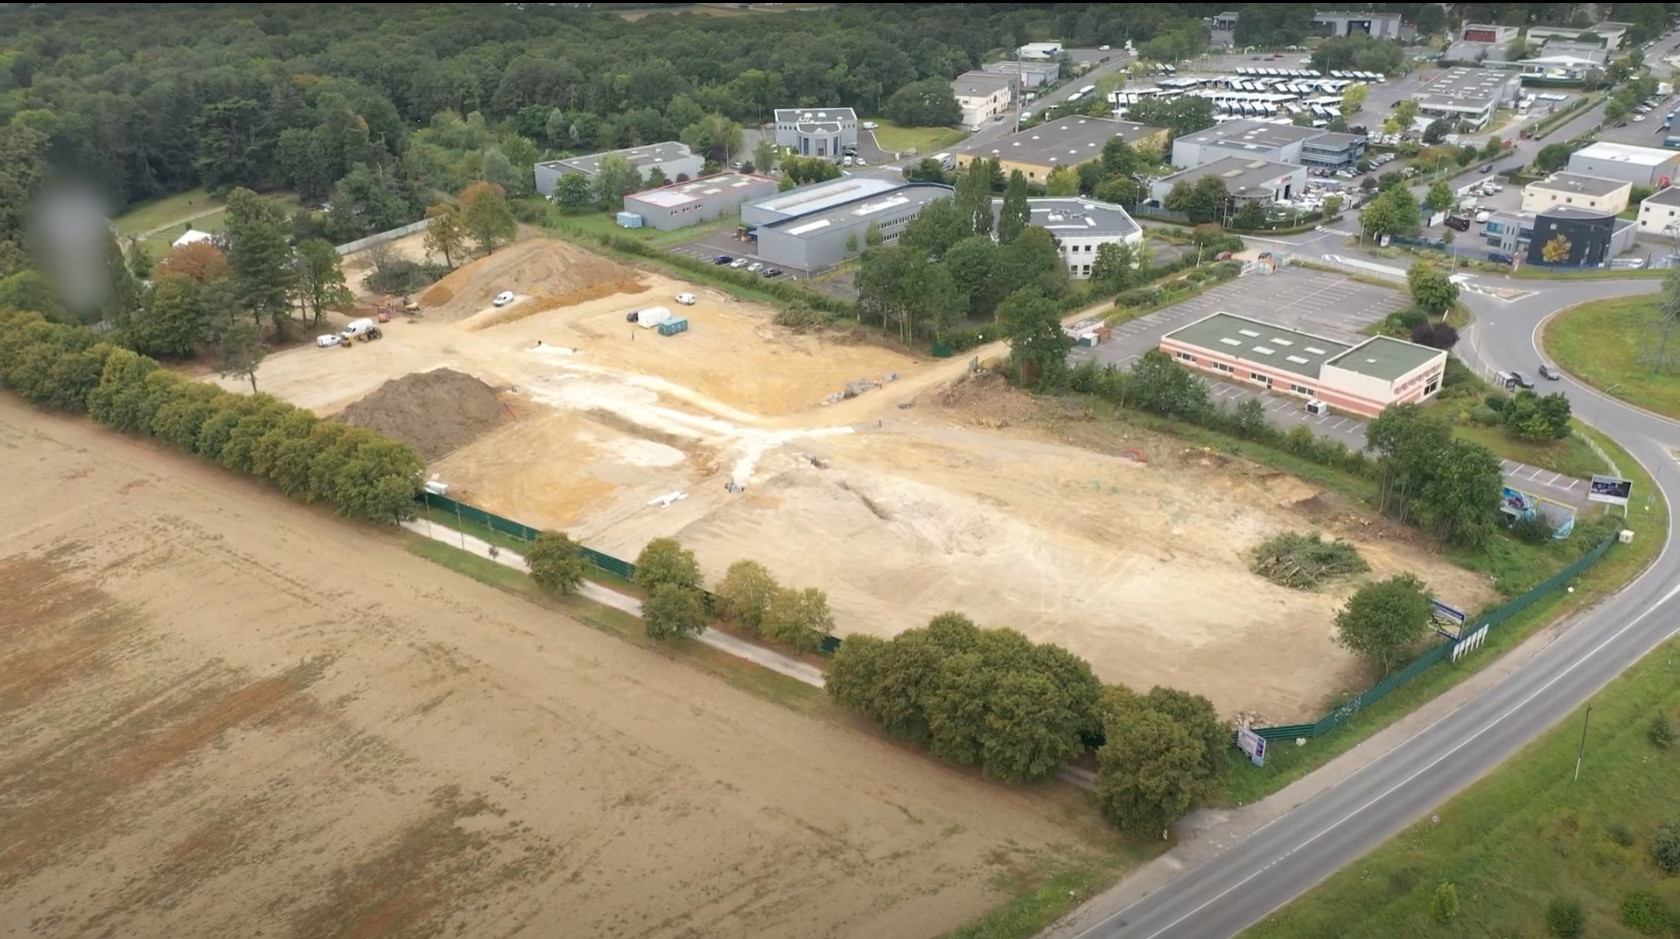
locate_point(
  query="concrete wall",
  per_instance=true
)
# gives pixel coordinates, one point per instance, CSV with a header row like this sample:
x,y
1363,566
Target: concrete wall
x,y
662,218
362,244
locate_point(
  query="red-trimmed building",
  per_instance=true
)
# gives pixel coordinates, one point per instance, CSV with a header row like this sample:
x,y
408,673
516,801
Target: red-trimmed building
x,y
1358,379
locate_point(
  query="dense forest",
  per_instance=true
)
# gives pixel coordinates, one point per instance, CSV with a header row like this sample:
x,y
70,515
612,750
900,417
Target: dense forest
x,y
378,106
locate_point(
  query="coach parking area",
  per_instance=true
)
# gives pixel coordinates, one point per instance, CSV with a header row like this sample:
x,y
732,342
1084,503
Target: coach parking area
x,y
1309,301
717,243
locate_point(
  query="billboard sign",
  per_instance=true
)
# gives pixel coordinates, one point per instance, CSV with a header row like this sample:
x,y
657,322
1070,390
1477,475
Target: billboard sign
x,y
1610,489
1516,503
1252,744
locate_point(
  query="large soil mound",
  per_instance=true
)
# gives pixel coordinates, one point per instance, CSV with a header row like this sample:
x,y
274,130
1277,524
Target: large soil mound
x,y
542,273
436,412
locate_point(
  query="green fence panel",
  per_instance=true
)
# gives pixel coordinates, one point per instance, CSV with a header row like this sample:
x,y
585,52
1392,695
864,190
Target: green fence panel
x,y
507,526
1436,655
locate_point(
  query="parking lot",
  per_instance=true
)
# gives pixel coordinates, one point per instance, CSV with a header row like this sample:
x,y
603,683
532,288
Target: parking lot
x,y
1309,301
719,243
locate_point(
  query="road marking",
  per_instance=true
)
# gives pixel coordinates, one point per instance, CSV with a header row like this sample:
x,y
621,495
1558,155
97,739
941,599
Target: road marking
x,y
1338,425
1554,479
1572,484
1426,767
1536,474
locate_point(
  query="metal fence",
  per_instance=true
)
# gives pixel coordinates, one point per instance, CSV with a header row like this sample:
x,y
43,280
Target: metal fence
x,y
507,526
1423,663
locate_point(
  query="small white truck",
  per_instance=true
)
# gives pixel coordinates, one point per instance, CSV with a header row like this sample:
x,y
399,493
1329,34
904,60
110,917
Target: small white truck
x,y
362,330
652,316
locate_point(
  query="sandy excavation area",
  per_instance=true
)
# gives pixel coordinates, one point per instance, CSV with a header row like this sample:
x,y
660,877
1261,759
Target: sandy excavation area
x,y
899,513
229,715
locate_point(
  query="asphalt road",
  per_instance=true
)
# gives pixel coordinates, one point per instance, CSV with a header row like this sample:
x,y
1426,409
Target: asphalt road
x,y
1289,856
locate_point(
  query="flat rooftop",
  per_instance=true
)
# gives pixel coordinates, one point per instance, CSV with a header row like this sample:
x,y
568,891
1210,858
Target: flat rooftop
x,y
826,195
907,197
1580,185
979,83
814,115
699,190
1251,135
1345,15
1669,196
640,157
1472,84
1385,358
1077,217
1625,153
1287,350
1067,141
1241,174
1332,140
1012,67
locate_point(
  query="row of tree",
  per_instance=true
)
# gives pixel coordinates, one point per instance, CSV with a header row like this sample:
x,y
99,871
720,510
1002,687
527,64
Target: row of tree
x,y
1021,711
73,369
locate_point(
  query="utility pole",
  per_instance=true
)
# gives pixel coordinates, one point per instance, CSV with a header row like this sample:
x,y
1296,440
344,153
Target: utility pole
x,y
1583,750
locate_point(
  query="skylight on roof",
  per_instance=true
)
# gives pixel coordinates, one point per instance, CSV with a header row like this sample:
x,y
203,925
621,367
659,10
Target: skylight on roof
x,y
1316,350
1249,333
1227,340
1282,342
1297,359
1263,350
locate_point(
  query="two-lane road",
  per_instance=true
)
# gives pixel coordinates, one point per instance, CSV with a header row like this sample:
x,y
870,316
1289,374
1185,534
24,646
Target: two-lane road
x,y
1287,857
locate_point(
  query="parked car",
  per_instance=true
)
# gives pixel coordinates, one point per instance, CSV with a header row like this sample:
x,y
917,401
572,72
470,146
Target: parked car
x,y
1498,258
755,267
739,263
773,272
329,340
870,125
1483,216
722,259
1549,373
1486,168
503,299
686,299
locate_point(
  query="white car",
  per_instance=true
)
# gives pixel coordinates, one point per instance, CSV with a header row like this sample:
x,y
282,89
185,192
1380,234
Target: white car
x,y
754,267
1639,118
870,125
503,299
329,340
1483,216
686,299
739,263
1102,48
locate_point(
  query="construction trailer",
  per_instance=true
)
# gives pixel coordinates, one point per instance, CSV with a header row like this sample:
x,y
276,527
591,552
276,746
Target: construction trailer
x,y
673,326
652,316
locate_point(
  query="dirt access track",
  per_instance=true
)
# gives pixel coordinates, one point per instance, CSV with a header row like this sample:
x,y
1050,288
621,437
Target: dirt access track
x,y
899,513
229,715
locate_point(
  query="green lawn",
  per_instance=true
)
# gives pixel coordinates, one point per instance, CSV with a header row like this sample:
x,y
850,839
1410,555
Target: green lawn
x,y
924,140
1571,457
175,214
1610,345
596,222
1528,835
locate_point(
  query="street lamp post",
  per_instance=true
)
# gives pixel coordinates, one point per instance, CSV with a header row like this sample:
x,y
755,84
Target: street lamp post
x,y
1583,749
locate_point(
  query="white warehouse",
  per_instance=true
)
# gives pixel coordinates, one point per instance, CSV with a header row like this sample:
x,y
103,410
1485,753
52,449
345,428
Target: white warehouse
x,y
1080,226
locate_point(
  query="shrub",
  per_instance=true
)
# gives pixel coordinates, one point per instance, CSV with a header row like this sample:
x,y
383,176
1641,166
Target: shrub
x,y
1445,905
1140,297
400,275
1302,561
800,317
1564,918
1485,416
1665,849
1435,335
1644,912
1532,529
1621,834
799,618
671,611
1495,401
1660,732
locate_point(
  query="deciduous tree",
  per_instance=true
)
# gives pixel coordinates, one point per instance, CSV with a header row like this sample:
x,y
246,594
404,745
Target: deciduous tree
x,y
1556,250
745,593
799,618
1038,347
320,279
261,259
1432,290
445,236
1016,214
486,216
240,351
672,611
927,103
615,178
556,562
666,561
1383,621
1149,773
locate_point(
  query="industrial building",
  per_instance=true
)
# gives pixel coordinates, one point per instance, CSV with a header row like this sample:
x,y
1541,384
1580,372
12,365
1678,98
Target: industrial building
x,y
1029,75
1067,141
674,159
819,240
1040,50
1591,237
1375,25
669,208
1605,196
1659,214
817,132
1253,140
1554,71
1246,180
797,203
1488,34
1359,379
1641,166
1333,151
1080,226
983,96
1610,35
1467,95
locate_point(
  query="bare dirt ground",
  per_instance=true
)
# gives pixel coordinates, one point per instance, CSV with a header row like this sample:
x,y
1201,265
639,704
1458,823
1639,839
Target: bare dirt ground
x,y
966,500
229,715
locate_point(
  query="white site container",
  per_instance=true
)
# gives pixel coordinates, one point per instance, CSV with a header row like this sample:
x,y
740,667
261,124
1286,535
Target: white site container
x,y
652,316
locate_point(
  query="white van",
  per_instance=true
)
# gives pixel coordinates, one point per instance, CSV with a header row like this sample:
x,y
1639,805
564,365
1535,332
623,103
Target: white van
x,y
686,299
503,299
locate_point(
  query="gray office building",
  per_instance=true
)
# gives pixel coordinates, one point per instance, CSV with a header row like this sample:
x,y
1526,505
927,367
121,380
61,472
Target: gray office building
x,y
1249,140
669,208
817,132
1375,25
673,159
815,197
819,240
